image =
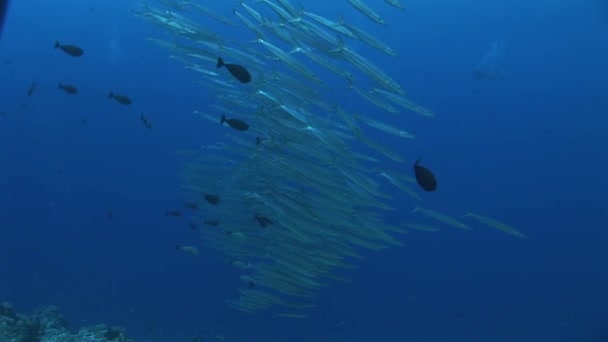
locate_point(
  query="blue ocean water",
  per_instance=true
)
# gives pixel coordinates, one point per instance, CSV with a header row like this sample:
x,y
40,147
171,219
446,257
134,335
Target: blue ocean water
x,y
527,147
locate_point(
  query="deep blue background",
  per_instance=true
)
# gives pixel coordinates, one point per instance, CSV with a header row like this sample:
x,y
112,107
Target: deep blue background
x,y
528,148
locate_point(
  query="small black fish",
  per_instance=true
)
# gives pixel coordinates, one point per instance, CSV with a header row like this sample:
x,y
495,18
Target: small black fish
x,y
212,199
71,50
70,89
122,99
30,91
145,121
174,213
425,177
237,124
212,223
190,205
238,71
263,221
259,140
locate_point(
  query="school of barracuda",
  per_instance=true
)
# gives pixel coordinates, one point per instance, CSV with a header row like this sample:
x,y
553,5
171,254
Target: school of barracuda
x,y
296,166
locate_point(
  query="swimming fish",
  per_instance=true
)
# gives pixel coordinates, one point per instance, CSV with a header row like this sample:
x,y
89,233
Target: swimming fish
x,y
174,213
425,177
212,199
212,223
70,89
145,121
71,50
237,124
122,99
263,221
30,91
190,205
187,249
238,71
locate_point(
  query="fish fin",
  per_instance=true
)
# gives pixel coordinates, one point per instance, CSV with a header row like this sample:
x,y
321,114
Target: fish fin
x,y
220,62
223,119
57,44
417,161
111,95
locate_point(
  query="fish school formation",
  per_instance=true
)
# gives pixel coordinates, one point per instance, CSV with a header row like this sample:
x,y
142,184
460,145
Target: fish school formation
x,y
286,198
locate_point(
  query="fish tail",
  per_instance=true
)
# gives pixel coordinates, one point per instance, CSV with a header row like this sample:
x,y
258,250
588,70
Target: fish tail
x,y
57,44
220,62
223,119
111,95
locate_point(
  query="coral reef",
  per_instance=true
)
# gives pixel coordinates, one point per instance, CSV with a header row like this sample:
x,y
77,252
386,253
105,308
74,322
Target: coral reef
x,y
48,325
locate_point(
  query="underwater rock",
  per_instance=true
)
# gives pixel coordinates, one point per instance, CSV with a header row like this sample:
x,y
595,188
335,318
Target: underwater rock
x,y
48,325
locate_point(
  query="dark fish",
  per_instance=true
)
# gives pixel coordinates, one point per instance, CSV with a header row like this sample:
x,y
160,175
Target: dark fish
x,y
30,91
145,121
122,99
263,221
174,213
70,89
238,71
212,223
190,205
192,225
109,215
259,140
237,124
212,199
425,177
71,50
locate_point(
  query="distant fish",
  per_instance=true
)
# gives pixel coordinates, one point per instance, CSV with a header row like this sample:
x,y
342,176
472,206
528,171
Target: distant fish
x,y
263,221
238,71
71,50
30,91
122,99
212,223
187,249
259,140
174,213
70,89
425,177
190,205
237,124
145,121
212,199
